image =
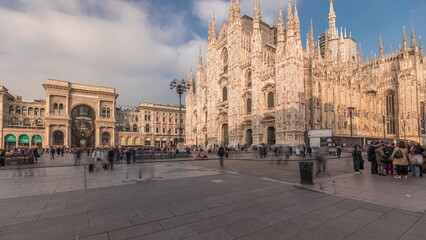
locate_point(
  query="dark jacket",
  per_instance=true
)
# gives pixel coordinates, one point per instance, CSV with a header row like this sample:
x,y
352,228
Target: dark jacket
x,y
221,152
357,155
371,153
111,154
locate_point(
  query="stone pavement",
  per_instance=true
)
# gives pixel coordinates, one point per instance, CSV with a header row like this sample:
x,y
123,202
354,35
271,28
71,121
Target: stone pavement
x,y
219,205
35,181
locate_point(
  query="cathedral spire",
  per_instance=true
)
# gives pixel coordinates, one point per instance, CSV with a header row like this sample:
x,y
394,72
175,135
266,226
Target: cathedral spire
x,y
413,36
421,46
289,12
296,21
381,47
257,13
404,38
311,39
231,11
212,29
200,59
237,10
360,54
281,30
332,21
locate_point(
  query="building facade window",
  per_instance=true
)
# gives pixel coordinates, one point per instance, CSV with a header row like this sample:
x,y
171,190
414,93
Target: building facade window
x,y
249,106
422,118
11,110
390,113
14,121
271,100
55,108
18,110
248,78
225,59
42,112
147,128
225,94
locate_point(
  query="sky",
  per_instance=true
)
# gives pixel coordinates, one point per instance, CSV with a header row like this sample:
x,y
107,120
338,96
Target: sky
x,y
140,46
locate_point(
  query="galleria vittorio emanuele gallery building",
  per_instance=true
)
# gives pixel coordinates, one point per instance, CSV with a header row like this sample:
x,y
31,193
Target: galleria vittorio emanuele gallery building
x,y
78,115
260,85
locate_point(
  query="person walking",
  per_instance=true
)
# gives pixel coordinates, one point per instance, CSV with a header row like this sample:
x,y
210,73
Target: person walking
x,y
117,156
389,164
321,162
221,153
357,158
133,153
309,150
52,153
77,157
415,159
36,154
111,154
2,158
371,154
400,159
339,151
381,159
97,157
128,155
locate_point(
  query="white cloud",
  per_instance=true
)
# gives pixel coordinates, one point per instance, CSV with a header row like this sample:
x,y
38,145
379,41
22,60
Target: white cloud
x,y
100,42
205,8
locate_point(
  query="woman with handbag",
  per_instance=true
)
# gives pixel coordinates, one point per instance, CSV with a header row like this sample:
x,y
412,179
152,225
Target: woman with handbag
x,y
357,158
416,159
400,159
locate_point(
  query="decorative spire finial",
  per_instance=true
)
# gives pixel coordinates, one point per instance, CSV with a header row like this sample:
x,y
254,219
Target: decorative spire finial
x,y
413,36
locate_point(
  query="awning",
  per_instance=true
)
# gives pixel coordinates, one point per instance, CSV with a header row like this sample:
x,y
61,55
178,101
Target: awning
x,y
37,139
157,139
148,139
24,139
10,138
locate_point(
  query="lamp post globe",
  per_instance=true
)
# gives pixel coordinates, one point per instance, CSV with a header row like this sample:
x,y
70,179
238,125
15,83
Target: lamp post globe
x,y
181,87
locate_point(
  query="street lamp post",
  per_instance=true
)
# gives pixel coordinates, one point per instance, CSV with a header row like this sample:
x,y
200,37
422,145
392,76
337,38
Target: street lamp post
x,y
351,115
181,87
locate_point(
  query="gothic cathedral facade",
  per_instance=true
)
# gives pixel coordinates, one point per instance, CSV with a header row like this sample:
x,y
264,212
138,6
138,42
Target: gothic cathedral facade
x,y
260,85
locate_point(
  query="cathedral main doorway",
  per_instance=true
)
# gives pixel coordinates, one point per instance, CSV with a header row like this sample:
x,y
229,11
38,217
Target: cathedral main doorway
x,y
249,137
271,135
83,126
225,134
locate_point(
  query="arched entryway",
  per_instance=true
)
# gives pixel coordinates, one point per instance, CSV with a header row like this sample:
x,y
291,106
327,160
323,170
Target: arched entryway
x,y
106,137
271,135
249,137
58,138
24,141
83,126
37,140
10,141
225,134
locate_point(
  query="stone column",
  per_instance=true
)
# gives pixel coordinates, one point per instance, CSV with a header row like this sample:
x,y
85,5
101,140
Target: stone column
x,y
97,133
48,134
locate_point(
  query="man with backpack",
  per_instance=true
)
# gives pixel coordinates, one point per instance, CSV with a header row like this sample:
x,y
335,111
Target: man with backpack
x,y
371,154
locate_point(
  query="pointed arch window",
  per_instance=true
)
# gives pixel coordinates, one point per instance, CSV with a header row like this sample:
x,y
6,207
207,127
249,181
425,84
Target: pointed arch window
x,y
271,100
390,113
225,59
249,106
248,79
225,94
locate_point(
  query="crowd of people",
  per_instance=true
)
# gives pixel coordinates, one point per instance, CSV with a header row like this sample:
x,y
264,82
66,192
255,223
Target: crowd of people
x,y
386,158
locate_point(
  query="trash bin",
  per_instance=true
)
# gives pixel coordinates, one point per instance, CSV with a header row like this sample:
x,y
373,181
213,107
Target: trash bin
x,y
306,172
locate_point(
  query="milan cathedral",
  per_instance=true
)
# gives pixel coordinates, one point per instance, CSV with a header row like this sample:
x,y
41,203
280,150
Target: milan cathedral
x,y
259,85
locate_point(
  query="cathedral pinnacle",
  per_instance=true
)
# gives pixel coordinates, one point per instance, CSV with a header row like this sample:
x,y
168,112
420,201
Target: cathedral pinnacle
x,y
237,10
231,11
421,45
413,36
381,47
404,39
289,12
257,13
200,59
332,31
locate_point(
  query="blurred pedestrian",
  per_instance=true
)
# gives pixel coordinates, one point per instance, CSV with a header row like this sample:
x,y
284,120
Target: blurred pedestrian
x,y
321,161
221,153
111,155
52,153
357,158
2,158
400,159
128,155
77,157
